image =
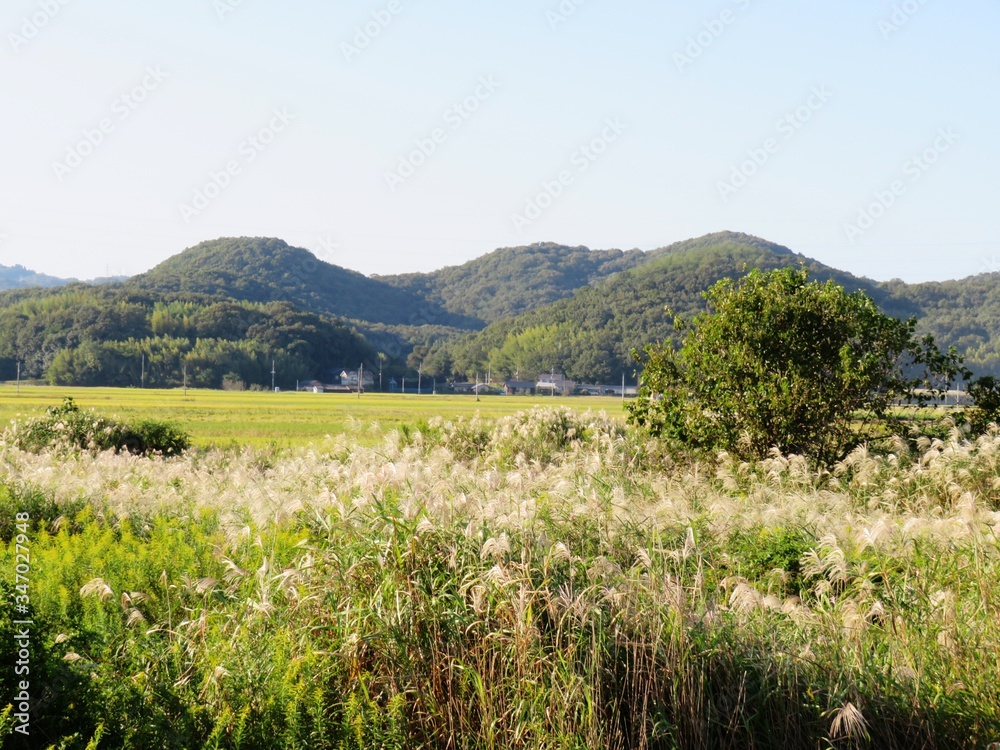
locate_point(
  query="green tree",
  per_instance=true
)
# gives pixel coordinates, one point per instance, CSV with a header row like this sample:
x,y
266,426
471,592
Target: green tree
x,y
781,361
985,395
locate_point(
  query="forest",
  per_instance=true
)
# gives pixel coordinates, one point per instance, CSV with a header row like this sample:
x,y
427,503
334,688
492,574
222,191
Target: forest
x,y
232,306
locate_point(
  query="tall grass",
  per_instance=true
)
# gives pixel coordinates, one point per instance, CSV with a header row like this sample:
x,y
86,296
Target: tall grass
x,y
544,581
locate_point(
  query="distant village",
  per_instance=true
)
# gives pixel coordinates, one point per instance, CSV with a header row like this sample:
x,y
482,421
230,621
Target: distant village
x,y
549,384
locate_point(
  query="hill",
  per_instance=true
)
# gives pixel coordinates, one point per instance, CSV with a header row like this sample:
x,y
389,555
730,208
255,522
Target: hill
x,y
516,311
590,335
256,269
19,277
105,335
514,280
963,313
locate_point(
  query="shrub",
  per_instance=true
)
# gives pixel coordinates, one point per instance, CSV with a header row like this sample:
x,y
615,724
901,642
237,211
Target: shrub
x,y
781,361
68,426
985,395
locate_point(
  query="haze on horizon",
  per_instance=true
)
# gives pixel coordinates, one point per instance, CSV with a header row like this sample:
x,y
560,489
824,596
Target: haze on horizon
x,y
395,135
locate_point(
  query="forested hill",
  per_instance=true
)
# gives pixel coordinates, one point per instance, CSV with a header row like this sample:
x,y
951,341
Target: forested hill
x,y
104,335
19,277
521,311
964,313
513,280
589,336
256,269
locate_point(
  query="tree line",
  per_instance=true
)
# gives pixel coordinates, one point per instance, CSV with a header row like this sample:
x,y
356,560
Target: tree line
x,y
104,336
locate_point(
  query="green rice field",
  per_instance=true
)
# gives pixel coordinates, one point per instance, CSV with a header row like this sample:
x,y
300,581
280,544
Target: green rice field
x,y
223,418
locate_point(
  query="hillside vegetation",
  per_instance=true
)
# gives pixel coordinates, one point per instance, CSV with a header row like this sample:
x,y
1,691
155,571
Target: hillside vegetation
x,y
516,311
513,280
269,270
19,277
591,335
82,335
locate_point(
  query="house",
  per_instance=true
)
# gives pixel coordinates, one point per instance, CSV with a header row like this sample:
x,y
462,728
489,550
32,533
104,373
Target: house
x,y
350,378
519,388
555,384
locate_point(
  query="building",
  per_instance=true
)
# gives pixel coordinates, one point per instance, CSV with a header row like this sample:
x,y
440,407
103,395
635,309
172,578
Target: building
x,y
519,388
555,384
350,378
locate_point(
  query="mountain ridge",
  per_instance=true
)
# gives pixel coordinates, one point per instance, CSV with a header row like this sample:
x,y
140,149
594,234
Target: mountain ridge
x,y
515,310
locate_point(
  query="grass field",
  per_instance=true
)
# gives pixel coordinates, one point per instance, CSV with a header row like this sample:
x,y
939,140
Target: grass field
x,y
285,419
545,580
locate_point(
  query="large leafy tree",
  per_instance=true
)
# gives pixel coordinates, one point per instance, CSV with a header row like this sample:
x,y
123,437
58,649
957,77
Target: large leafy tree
x,y
780,361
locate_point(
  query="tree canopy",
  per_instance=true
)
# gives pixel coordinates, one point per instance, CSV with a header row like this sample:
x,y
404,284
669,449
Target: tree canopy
x,y
779,361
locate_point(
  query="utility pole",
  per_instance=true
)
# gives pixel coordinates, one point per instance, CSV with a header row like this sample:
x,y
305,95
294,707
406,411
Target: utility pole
x,y
18,377
142,376
272,376
361,379
404,385
185,368
623,389
477,387
381,358
420,378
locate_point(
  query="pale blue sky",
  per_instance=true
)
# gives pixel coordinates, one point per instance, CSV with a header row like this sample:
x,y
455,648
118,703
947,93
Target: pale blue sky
x,y
554,82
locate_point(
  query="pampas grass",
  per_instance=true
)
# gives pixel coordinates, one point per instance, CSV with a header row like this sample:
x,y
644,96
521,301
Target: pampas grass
x,y
550,580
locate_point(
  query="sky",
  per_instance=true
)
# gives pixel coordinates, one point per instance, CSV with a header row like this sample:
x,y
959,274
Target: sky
x,y
405,135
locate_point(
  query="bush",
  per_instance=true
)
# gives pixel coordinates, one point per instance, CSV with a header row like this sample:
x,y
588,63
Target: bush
x,y
68,426
779,361
985,395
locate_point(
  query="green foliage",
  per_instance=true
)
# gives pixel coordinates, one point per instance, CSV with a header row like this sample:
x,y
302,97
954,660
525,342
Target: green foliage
x,y
68,426
782,362
513,280
760,552
985,395
42,508
547,307
590,336
263,270
102,336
